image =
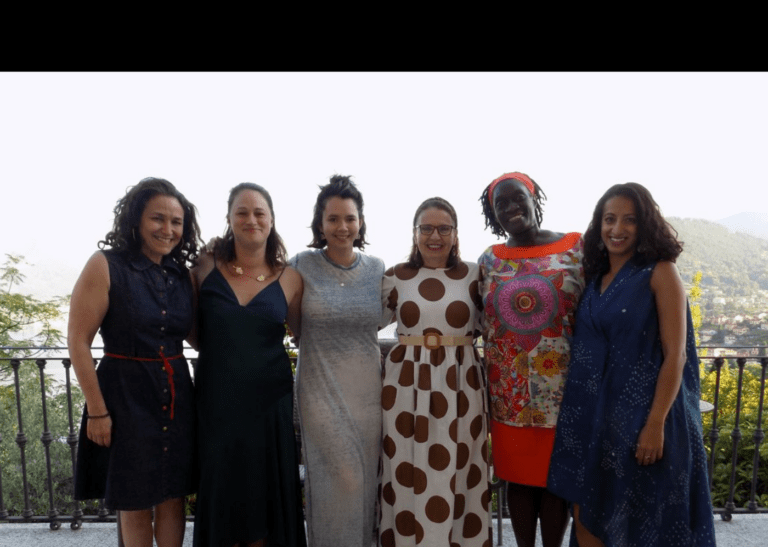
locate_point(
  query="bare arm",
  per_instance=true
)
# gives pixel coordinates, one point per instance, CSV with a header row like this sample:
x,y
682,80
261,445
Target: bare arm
x,y
293,286
88,306
205,265
669,293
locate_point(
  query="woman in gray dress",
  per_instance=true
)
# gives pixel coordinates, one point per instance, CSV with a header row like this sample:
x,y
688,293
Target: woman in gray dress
x,y
338,381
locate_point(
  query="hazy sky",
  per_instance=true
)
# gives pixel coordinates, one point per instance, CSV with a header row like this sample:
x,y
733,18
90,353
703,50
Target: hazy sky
x,y
71,143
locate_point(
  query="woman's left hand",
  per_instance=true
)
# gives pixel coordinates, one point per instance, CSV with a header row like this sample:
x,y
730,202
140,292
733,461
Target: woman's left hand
x,y
650,443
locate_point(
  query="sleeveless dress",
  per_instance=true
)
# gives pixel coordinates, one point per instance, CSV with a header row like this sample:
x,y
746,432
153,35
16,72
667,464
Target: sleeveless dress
x,y
338,391
151,457
615,361
529,297
249,476
435,451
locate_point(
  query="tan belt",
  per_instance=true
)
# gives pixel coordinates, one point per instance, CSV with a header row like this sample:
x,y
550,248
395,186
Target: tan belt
x,y
434,341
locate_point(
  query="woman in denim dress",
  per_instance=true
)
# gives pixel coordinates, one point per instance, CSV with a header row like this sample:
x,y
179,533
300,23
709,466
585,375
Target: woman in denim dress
x,y
137,440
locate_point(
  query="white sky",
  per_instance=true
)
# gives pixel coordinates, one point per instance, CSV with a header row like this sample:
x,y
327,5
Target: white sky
x,y
71,143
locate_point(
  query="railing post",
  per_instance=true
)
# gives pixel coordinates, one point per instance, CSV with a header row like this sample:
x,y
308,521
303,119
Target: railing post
x,y
758,437
47,439
21,439
736,436
3,511
72,442
714,434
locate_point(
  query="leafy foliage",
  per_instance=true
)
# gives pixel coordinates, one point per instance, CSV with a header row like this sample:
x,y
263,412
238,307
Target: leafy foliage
x,y
25,321
28,323
748,425
35,459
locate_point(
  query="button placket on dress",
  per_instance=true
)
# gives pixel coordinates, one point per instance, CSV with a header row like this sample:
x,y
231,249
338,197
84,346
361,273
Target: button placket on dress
x,y
163,281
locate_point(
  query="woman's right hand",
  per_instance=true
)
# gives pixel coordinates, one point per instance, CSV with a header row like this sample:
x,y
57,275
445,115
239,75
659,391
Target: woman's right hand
x,y
99,430
211,245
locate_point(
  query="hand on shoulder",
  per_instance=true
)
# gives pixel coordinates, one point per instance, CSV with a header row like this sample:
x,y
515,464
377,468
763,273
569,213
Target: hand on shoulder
x,y
204,266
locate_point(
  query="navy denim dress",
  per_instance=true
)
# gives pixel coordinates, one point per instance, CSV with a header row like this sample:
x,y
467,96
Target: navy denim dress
x,y
152,455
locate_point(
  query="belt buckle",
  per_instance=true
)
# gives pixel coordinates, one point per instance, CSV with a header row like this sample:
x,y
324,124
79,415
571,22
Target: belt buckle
x,y
432,341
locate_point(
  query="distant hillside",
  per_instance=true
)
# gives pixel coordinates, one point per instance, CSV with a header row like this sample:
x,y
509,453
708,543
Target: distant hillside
x,y
754,224
736,263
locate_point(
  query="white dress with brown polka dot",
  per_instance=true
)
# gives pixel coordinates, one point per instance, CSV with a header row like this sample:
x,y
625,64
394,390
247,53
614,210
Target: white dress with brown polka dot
x,y
435,449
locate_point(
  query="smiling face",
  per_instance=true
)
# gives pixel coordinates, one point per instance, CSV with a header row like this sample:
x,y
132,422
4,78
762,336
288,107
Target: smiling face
x,y
435,248
161,226
250,218
618,229
514,207
341,224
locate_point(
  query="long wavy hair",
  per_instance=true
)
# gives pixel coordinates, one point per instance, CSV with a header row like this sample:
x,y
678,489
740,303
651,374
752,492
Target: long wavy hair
x,y
125,236
656,238
415,260
539,197
341,187
224,248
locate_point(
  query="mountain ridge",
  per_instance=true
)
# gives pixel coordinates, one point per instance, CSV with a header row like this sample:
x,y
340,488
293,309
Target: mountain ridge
x,y
731,262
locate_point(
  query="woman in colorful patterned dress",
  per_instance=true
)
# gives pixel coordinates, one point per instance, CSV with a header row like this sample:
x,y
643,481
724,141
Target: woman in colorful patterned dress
x,y
435,449
531,285
629,452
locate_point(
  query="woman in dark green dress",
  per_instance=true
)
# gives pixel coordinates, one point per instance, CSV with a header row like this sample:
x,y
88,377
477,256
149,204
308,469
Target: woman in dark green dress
x,y
249,491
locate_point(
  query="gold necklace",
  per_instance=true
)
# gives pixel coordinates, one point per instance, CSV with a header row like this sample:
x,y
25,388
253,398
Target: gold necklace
x,y
239,271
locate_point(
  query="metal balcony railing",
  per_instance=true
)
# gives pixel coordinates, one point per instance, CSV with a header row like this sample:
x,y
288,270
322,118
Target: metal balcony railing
x,y
15,462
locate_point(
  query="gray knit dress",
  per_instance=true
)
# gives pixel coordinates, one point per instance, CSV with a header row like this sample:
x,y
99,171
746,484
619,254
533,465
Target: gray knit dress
x,y
338,388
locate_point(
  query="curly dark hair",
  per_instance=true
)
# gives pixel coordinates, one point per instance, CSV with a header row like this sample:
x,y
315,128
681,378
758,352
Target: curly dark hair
x,y
415,259
539,197
224,248
125,237
656,238
342,187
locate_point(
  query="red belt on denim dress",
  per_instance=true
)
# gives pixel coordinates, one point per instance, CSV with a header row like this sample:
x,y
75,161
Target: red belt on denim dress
x,y
166,365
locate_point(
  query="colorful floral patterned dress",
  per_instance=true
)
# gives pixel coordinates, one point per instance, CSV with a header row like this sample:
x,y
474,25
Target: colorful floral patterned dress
x,y
530,296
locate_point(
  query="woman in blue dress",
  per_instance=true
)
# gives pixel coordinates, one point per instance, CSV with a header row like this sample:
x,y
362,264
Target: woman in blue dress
x,y
249,491
137,441
629,451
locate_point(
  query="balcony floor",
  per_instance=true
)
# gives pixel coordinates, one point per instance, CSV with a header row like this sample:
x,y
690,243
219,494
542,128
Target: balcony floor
x,y
742,531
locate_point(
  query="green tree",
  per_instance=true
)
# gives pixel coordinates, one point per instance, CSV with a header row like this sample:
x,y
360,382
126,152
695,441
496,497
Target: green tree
x,y
22,314
694,295
27,323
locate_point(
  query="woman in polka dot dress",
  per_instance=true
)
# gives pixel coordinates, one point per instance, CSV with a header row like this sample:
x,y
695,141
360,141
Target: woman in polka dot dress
x,y
434,488
531,286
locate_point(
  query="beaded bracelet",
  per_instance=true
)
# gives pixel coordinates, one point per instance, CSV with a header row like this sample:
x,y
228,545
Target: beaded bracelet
x,y
97,417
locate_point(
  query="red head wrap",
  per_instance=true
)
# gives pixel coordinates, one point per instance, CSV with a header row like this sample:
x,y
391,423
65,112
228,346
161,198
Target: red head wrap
x,y
525,179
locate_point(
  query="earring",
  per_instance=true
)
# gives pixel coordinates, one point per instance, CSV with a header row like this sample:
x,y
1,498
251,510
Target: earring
x,y
133,234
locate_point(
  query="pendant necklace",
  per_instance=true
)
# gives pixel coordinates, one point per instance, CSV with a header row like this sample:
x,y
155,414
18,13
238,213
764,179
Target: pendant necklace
x,y
239,271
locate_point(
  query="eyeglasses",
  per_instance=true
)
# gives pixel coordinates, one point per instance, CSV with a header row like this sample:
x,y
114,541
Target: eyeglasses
x,y
427,229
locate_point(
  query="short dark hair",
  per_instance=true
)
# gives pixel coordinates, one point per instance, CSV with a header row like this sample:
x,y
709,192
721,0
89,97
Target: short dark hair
x,y
415,260
656,238
342,187
224,249
125,237
539,197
